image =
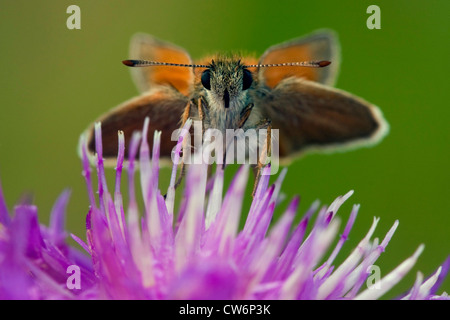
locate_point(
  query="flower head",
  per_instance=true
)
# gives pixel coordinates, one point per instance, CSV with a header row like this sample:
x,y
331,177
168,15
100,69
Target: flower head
x,y
198,253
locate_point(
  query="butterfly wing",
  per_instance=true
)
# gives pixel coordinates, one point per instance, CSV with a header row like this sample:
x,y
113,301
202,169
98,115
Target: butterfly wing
x,y
163,105
147,47
314,117
165,90
309,113
321,45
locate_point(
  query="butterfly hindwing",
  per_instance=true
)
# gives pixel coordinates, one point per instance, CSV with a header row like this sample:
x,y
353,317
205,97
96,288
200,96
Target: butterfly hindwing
x,y
311,116
163,105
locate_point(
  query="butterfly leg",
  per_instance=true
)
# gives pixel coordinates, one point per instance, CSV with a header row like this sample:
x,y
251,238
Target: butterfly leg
x,y
245,114
184,118
266,151
186,113
202,113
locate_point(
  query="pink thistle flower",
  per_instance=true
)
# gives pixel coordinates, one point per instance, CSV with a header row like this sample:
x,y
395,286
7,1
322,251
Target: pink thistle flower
x,y
198,253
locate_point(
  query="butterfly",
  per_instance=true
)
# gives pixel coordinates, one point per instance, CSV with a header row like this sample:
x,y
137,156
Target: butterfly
x,y
289,89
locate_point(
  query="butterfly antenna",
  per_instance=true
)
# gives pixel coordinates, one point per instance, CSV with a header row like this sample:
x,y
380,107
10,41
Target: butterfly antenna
x,y
146,63
311,64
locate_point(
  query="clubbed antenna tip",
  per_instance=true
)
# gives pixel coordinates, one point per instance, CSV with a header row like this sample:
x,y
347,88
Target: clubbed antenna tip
x,y
324,63
129,63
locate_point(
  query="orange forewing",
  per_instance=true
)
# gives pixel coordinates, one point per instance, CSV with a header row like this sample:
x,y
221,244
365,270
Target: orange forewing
x,y
316,47
274,75
146,47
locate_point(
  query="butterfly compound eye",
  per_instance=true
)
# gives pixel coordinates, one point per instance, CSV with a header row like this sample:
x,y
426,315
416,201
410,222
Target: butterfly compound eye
x,y
206,79
247,80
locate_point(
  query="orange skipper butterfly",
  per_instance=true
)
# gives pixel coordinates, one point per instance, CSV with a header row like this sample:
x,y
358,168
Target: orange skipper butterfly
x,y
288,88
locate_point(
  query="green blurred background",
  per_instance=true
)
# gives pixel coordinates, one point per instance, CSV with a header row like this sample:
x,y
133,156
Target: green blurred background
x,y
55,81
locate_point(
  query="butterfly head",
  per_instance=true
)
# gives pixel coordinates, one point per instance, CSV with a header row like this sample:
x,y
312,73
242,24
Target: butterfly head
x,y
226,83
